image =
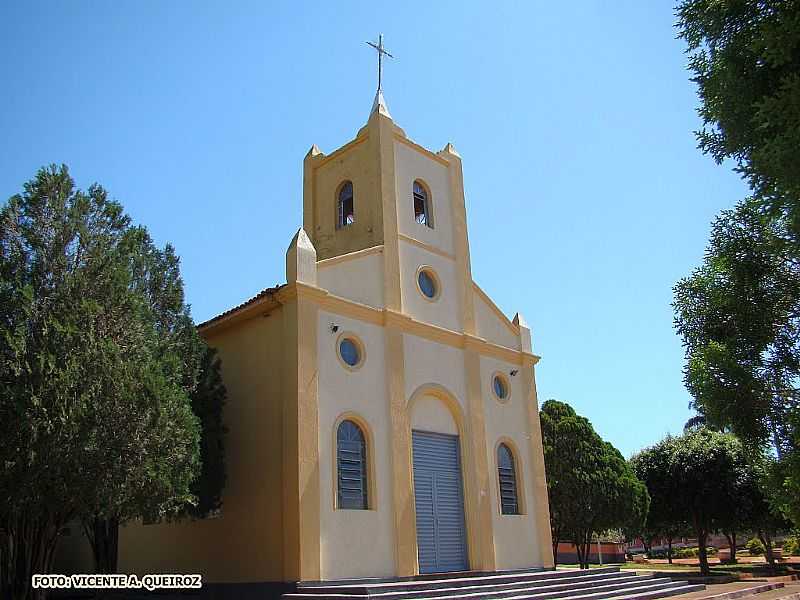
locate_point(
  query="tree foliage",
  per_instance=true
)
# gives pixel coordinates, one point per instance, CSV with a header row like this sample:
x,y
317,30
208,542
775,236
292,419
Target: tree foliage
x,y
208,400
739,317
745,59
99,358
705,481
591,487
665,519
738,312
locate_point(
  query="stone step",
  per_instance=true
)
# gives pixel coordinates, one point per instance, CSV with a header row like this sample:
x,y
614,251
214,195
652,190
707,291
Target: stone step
x,y
602,586
502,590
590,593
487,590
445,580
685,588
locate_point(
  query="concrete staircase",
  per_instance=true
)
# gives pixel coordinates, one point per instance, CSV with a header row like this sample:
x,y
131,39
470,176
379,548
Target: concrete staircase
x,y
593,584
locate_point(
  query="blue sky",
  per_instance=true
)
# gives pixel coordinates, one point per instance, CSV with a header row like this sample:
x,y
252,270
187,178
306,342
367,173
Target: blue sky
x,y
586,196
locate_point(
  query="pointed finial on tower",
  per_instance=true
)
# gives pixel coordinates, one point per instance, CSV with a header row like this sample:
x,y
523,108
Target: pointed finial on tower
x,y
301,259
449,149
525,340
379,104
314,150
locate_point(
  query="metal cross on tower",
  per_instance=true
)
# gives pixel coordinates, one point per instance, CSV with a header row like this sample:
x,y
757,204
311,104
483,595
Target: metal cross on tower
x,y
381,51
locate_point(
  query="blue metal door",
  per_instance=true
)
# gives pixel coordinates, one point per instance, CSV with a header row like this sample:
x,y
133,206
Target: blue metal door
x,y
439,501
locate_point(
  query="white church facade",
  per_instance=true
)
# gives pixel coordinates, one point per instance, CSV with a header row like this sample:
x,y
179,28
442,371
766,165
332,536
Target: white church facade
x,y
382,411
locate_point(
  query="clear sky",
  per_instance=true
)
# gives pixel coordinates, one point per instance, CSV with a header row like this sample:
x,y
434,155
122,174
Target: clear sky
x,y
586,196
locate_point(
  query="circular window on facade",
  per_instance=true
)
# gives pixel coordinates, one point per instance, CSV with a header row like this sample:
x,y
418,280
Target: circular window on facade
x,y
428,283
500,387
350,351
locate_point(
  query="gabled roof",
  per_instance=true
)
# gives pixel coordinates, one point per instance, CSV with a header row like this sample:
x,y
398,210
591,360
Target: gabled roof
x,y
262,295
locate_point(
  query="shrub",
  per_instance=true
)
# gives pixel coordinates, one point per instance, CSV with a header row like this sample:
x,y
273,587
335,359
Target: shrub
x,y
755,547
791,546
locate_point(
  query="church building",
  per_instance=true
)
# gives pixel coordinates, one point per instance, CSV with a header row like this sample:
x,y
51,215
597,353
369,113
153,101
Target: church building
x,y
382,411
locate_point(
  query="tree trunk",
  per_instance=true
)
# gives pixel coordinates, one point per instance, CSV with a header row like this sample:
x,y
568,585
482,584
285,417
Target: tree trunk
x,y
731,537
702,552
103,536
27,547
555,541
646,545
669,550
766,539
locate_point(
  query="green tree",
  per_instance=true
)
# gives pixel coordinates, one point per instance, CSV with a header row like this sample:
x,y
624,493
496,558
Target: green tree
x,y
745,59
738,317
742,362
704,468
591,487
208,400
99,359
757,512
665,519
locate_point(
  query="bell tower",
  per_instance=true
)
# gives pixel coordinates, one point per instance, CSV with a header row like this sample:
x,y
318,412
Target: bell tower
x,y
346,193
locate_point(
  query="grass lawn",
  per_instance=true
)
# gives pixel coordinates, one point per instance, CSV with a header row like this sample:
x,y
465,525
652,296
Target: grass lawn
x,y
758,568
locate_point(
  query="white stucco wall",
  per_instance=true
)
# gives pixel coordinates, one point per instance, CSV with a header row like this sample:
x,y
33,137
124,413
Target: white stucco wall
x,y
359,279
444,311
490,326
355,543
427,362
430,414
410,164
515,536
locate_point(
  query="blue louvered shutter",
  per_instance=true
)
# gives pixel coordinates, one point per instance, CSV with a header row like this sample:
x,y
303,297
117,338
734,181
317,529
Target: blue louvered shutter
x,y
351,463
508,481
439,502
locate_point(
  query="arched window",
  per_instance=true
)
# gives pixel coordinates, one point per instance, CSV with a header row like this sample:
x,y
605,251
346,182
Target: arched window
x,y
506,471
346,216
422,205
351,464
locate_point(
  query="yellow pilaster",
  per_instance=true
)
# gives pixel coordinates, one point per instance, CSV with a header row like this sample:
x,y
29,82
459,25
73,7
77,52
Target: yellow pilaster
x,y
403,485
459,215
480,509
541,506
301,492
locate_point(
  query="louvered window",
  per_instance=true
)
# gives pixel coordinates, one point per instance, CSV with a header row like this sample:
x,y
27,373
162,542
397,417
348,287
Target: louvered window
x,y
346,214
508,481
351,464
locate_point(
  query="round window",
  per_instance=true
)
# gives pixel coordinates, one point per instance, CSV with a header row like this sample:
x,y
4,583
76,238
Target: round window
x,y
427,283
350,352
500,387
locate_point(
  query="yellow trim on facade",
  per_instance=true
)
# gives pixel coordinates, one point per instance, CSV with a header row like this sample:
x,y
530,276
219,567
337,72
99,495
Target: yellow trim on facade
x,y
375,316
335,260
301,490
541,507
326,158
421,149
405,518
506,321
425,246
484,557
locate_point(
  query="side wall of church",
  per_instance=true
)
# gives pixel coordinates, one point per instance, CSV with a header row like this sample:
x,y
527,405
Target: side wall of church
x,y
245,543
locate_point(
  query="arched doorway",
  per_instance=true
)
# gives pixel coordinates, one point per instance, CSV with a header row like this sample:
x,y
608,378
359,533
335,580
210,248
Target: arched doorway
x,y
438,486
